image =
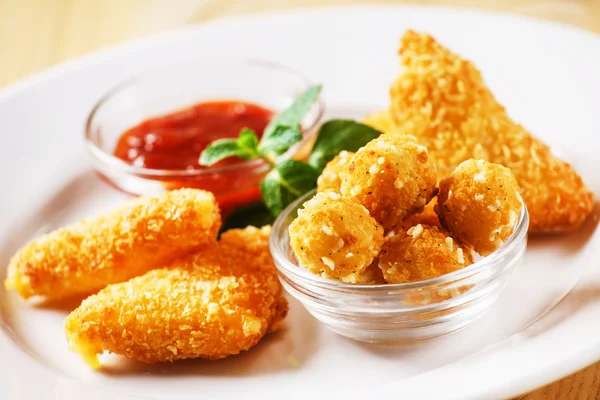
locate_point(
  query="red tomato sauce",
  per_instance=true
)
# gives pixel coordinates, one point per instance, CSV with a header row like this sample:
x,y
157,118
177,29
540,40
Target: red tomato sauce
x,y
175,141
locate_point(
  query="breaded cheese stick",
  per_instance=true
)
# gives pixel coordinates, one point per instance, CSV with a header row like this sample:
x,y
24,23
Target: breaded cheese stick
x,y
144,234
442,100
211,304
252,239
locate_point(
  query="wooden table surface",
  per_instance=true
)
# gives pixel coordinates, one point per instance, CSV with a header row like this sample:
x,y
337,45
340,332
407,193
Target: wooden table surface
x,y
35,34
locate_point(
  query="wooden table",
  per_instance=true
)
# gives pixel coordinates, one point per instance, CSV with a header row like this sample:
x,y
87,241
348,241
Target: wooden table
x,y
35,34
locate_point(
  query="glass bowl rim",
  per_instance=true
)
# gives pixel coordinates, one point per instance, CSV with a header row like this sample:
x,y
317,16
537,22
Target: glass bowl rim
x,y
115,162
292,270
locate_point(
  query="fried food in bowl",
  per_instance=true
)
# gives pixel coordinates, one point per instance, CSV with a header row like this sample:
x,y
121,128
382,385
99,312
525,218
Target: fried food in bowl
x,y
369,310
421,252
480,203
392,176
335,237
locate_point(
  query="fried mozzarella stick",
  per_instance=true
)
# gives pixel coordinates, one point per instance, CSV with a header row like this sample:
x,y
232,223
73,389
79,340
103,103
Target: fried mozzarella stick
x,y
442,100
211,304
252,239
142,235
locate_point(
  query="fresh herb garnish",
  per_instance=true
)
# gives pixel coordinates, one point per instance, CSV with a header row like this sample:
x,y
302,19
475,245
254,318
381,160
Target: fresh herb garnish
x,y
245,146
286,182
337,135
283,132
289,179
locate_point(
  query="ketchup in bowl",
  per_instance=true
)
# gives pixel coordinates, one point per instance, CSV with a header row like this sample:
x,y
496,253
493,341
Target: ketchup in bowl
x,y
174,142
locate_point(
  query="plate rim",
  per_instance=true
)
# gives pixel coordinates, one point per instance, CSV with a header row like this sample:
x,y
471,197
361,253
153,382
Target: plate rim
x,y
93,56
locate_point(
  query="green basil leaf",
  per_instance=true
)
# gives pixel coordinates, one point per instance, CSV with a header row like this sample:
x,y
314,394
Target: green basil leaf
x,y
337,135
288,181
242,147
293,115
282,138
248,139
255,214
285,129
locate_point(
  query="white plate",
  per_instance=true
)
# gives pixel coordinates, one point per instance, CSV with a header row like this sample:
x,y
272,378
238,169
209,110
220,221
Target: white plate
x,y
544,73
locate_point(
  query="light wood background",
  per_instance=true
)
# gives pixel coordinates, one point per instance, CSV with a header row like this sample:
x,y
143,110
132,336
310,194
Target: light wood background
x,y
35,34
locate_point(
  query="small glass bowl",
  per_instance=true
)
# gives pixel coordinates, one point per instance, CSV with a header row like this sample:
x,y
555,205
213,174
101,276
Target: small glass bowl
x,y
174,87
398,313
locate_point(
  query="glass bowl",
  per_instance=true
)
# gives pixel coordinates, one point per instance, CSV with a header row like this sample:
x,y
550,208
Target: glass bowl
x,y
398,313
178,86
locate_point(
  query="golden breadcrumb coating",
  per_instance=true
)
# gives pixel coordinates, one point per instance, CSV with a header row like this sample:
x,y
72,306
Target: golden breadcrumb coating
x,y
421,252
335,237
211,304
380,120
428,217
144,234
392,176
331,177
480,204
254,240
442,100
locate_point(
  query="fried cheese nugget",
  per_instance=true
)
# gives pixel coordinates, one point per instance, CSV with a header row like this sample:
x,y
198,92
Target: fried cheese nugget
x,y
442,100
335,237
392,176
421,252
480,204
145,233
212,304
331,177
